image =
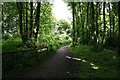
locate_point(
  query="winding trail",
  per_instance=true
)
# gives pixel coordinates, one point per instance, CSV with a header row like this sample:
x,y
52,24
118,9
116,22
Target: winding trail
x,y
55,67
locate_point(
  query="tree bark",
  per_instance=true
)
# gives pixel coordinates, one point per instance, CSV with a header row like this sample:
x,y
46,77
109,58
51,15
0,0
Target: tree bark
x,y
73,24
31,20
87,24
2,21
19,5
77,22
80,15
97,25
94,28
113,24
82,19
110,19
103,39
26,33
119,28
37,20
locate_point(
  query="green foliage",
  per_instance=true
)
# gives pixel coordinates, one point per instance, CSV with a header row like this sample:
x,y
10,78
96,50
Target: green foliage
x,y
63,30
106,62
11,45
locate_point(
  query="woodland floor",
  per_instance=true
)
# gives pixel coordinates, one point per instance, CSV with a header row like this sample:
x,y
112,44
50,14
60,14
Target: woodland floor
x,y
55,67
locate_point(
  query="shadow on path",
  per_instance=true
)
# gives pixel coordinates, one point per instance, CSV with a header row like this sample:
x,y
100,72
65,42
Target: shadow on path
x,y
55,67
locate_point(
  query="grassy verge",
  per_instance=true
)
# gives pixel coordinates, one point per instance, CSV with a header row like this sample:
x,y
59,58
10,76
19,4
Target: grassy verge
x,y
95,64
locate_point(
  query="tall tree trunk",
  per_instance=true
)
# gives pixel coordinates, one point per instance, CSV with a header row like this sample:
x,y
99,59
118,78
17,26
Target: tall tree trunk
x,y
26,21
87,24
103,39
113,24
83,28
24,31
73,24
94,28
118,61
119,28
37,21
77,22
2,21
97,25
31,19
19,5
110,19
80,16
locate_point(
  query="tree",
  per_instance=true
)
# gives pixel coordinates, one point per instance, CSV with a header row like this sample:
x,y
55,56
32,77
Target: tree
x,y
80,16
37,20
103,39
119,27
2,21
73,24
87,22
82,21
26,21
31,19
19,5
97,24
110,18
94,28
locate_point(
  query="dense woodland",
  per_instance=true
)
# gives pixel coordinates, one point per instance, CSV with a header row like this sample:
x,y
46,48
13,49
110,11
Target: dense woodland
x,y
32,25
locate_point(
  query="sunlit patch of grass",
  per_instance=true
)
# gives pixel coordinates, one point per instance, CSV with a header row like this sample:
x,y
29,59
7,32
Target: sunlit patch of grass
x,y
95,64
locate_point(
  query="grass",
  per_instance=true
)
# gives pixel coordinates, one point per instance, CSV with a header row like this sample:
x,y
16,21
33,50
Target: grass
x,y
98,64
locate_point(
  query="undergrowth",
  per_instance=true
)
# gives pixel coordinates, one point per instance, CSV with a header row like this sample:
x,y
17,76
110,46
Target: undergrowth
x,y
105,62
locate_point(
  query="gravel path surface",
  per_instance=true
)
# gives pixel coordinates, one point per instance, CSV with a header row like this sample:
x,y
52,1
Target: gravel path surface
x,y
55,67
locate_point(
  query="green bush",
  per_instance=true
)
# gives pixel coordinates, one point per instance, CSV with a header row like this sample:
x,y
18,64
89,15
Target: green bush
x,y
11,45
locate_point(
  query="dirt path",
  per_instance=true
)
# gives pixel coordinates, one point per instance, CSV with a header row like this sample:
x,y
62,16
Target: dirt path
x,y
55,67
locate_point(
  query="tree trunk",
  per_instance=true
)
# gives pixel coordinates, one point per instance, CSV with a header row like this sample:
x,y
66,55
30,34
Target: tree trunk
x,y
103,39
26,21
31,19
80,15
77,26
97,25
73,24
110,19
119,29
77,22
87,24
113,24
118,61
24,32
19,5
82,19
2,21
94,28
37,21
